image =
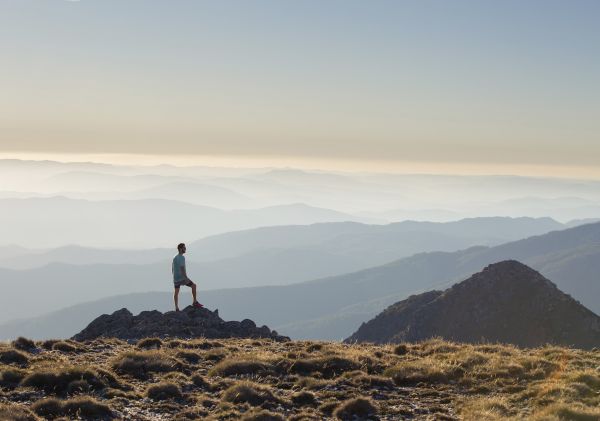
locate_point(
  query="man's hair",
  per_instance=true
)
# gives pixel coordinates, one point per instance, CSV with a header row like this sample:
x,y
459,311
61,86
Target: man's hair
x,y
180,246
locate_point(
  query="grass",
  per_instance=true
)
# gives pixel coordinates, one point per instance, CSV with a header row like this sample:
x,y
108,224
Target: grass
x,y
16,413
150,343
141,364
236,367
248,392
12,356
164,391
355,408
83,407
23,344
262,415
64,346
67,380
328,367
299,381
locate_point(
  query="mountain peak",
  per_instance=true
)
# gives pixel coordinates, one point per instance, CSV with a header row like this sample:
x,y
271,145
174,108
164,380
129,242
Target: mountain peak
x,y
506,302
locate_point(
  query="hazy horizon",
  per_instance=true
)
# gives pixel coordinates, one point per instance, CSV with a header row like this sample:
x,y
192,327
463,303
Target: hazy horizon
x,y
465,87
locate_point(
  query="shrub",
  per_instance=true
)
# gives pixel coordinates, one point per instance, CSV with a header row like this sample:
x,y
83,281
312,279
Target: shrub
x,y
12,356
262,415
64,346
328,407
328,366
49,343
189,356
58,381
401,349
24,344
424,370
202,344
304,398
80,407
574,411
200,382
247,392
164,391
232,367
11,377
174,343
87,408
358,407
48,408
360,378
149,343
16,413
215,355
140,364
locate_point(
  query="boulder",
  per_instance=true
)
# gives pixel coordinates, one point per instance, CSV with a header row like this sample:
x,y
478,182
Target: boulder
x,y
190,323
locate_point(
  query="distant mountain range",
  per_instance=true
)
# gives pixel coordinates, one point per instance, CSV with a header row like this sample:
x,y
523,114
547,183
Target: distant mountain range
x,y
507,302
138,223
259,257
369,245
318,309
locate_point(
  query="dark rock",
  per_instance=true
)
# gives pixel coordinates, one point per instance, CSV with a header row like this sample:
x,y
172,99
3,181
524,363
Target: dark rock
x,y
507,302
189,323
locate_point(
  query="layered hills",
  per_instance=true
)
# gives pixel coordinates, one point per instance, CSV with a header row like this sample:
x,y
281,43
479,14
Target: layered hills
x,y
507,302
571,258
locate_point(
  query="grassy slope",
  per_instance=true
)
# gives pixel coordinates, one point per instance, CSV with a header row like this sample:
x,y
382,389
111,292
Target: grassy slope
x,y
237,378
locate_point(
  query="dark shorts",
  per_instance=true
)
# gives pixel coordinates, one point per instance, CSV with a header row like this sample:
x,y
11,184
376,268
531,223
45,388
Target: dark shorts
x,y
180,283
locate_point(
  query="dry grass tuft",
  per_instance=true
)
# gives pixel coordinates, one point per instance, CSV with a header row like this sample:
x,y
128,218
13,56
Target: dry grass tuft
x,y
189,356
248,392
141,364
16,413
12,356
150,343
261,415
304,398
355,408
24,344
82,407
64,346
164,391
11,377
427,370
562,411
401,349
65,380
328,367
200,382
236,367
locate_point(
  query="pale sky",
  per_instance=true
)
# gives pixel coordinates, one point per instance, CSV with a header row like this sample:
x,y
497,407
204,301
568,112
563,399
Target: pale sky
x,y
475,83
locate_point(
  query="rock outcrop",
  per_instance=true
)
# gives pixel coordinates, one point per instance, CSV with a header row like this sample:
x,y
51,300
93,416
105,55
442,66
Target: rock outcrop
x,y
189,323
507,302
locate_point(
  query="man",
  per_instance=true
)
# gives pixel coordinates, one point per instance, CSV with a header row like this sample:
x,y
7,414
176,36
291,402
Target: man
x,y
180,277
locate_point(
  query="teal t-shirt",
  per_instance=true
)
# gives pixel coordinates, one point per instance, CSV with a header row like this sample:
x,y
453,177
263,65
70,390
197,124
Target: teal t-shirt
x,y
178,262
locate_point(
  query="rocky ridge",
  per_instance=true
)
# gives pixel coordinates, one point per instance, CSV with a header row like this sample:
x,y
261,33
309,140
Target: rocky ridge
x,y
189,323
507,302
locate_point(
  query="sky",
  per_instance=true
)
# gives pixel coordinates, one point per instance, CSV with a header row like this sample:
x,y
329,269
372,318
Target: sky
x,y
512,85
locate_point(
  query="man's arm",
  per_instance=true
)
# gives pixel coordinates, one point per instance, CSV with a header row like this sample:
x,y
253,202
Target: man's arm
x,y
184,273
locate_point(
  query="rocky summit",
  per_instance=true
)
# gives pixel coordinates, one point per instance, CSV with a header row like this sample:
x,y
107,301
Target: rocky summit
x,y
189,323
507,302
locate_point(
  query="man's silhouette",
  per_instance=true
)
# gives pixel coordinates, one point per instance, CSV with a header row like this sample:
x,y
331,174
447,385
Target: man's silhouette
x,y
180,277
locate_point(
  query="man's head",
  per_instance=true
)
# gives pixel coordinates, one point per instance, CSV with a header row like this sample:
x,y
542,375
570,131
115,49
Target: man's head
x,y
181,248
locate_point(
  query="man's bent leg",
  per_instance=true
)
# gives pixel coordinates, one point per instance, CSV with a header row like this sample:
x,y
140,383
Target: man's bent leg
x,y
194,291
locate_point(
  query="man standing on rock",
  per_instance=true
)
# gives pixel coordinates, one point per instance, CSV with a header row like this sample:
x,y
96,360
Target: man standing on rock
x,y
180,277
